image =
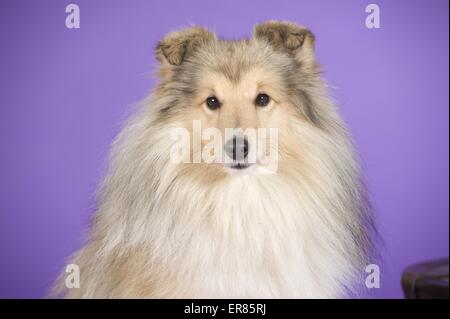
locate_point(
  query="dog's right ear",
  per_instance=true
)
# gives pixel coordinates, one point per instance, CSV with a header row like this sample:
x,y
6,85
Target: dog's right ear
x,y
177,46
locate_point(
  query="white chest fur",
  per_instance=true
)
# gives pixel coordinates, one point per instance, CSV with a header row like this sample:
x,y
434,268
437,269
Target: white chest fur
x,y
250,238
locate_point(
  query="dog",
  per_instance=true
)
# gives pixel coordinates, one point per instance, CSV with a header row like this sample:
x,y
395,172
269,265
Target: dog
x,y
180,229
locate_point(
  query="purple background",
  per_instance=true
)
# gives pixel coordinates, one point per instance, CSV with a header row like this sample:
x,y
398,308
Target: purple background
x,y
64,93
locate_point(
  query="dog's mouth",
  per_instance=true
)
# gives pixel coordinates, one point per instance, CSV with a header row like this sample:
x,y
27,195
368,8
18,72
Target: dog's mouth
x,y
239,166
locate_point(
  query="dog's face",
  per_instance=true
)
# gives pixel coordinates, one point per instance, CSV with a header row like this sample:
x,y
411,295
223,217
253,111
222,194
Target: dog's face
x,y
239,88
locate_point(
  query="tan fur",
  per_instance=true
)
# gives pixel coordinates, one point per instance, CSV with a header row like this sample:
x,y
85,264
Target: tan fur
x,y
165,230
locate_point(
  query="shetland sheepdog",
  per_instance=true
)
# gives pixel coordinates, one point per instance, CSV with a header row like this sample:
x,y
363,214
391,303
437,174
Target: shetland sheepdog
x,y
281,215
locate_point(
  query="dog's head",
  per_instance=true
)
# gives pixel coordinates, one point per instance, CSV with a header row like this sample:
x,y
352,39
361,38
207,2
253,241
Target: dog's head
x,y
247,98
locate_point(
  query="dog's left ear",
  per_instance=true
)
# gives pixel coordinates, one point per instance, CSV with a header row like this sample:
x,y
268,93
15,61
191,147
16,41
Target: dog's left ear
x,y
288,37
176,46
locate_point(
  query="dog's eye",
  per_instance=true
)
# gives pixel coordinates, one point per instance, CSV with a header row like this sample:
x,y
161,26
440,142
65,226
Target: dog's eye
x,y
212,102
262,99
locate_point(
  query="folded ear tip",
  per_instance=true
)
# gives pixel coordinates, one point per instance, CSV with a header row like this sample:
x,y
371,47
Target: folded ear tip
x,y
174,46
283,33
277,24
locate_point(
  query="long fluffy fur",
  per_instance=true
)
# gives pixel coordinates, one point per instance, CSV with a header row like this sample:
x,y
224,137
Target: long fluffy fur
x,y
175,231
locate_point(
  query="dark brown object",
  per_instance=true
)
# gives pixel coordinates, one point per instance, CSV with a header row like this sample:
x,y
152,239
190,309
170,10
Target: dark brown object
x,y
426,280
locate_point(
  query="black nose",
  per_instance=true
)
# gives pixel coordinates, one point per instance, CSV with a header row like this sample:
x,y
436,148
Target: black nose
x,y
237,148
